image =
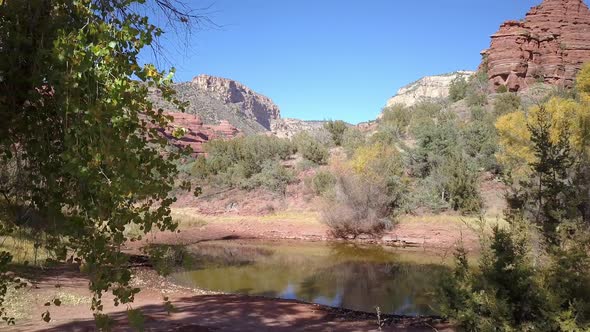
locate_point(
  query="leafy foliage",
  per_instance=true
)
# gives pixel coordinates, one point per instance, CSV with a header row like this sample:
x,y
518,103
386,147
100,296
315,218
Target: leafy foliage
x,y
458,89
80,135
533,275
516,148
246,162
336,130
506,103
322,182
311,149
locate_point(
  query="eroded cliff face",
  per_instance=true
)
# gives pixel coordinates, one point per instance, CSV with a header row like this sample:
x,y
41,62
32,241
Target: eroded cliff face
x,y
548,46
248,102
427,89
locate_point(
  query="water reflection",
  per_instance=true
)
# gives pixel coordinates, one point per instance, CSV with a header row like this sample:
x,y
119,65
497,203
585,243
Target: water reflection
x,y
338,275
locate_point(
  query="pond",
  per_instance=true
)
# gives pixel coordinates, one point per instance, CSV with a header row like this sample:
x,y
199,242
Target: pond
x,y
399,281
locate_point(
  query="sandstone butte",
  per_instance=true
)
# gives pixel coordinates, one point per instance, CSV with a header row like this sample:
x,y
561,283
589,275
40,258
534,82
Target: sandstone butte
x,y
196,133
549,45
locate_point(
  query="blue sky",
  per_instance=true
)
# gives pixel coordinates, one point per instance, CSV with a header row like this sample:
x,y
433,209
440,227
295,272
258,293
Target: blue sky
x,y
338,59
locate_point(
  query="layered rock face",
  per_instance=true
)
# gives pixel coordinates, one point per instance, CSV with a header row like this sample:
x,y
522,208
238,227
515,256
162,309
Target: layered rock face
x,y
549,46
214,99
427,88
195,132
250,103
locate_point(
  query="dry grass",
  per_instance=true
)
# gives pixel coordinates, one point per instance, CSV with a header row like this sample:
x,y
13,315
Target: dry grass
x,y
474,223
23,251
186,215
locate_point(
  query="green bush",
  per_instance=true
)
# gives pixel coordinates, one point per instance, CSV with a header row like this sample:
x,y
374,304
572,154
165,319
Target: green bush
x,y
504,294
245,162
460,184
310,149
352,140
436,138
425,194
336,130
479,140
502,89
478,89
533,275
273,177
458,89
506,103
321,183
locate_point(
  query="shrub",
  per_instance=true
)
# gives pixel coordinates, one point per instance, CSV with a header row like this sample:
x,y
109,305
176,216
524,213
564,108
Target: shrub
x,y
583,83
273,177
322,182
336,130
352,140
239,162
460,184
426,194
359,207
504,294
436,139
304,165
458,89
477,90
479,140
250,152
502,89
398,117
310,149
377,161
506,103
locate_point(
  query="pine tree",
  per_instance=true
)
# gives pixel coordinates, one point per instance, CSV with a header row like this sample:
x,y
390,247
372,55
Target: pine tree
x,y
551,187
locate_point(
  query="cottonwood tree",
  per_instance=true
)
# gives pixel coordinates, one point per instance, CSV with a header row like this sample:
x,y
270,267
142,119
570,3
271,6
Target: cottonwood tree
x,y
80,152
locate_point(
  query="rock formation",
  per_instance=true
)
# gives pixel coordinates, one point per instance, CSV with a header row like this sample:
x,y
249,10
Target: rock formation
x,y
250,103
214,99
548,46
286,128
427,88
195,132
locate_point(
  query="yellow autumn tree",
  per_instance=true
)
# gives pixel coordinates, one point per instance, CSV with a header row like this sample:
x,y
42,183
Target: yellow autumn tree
x,y
516,151
376,161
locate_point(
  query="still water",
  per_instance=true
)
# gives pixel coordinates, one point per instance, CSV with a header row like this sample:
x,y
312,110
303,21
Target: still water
x,y
399,281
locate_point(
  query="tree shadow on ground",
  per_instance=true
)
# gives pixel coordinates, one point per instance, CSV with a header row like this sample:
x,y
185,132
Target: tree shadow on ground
x,y
240,313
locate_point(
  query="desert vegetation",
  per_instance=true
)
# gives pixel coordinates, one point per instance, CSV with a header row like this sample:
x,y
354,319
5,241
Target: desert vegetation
x,y
533,275
88,175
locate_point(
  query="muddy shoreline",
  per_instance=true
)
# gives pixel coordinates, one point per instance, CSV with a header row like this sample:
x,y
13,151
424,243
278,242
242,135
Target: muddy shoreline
x,y
202,310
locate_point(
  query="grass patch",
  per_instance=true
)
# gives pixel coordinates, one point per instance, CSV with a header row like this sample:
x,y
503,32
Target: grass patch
x,y
23,251
188,217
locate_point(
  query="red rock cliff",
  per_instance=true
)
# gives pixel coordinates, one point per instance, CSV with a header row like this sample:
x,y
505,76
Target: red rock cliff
x,y
195,132
549,45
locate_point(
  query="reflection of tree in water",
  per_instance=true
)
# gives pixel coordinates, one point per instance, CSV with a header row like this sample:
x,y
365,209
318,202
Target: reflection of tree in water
x,y
344,275
402,288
